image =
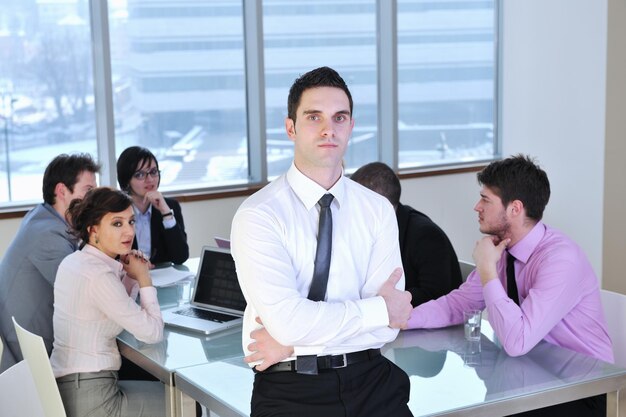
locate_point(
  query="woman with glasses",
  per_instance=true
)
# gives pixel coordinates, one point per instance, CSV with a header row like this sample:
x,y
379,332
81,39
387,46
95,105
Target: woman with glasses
x,y
159,226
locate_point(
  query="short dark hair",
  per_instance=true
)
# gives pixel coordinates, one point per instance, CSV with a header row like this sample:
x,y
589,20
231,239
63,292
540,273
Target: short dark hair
x,y
379,177
66,169
89,211
319,77
128,162
518,178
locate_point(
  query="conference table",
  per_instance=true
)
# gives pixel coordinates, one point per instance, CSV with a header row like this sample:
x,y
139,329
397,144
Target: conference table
x,y
449,376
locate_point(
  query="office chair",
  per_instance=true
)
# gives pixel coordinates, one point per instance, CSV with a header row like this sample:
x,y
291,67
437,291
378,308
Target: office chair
x,y
466,269
34,352
18,393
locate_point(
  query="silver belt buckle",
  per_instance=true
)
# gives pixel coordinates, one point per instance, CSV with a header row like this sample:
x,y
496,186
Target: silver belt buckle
x,y
345,361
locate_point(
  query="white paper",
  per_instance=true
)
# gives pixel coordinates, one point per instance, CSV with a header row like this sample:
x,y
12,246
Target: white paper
x,y
162,277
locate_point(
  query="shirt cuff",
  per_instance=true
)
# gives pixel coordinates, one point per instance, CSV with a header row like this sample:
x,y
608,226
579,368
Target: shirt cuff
x,y
374,313
307,350
493,291
169,222
148,296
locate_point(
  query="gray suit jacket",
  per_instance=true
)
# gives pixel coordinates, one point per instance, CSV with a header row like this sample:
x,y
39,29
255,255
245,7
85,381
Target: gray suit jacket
x,y
27,273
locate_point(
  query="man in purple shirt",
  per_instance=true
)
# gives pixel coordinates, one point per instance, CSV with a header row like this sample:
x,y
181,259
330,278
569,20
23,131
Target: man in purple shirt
x,y
557,290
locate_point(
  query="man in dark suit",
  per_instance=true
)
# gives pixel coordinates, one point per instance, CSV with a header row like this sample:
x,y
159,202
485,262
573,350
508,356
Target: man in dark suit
x,y
430,264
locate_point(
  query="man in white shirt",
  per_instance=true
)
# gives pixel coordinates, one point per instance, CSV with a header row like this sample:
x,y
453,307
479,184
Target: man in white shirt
x,y
316,358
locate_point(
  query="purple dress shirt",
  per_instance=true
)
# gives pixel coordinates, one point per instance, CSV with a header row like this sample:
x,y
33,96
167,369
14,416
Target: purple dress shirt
x,y
558,292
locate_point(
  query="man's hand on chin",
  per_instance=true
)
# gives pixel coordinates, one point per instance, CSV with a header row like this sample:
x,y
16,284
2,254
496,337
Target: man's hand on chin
x,y
487,253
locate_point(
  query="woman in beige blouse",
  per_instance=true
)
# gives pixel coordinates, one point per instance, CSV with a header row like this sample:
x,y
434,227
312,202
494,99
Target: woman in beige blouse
x,y
94,300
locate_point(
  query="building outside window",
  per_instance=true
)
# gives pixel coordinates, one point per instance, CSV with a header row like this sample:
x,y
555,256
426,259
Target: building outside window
x,y
46,91
179,84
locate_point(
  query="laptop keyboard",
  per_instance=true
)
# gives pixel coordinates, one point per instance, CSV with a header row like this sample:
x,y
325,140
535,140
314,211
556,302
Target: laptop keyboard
x,y
205,315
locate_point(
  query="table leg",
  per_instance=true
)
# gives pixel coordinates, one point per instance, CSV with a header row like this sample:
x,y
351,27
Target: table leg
x,y
185,405
170,400
616,403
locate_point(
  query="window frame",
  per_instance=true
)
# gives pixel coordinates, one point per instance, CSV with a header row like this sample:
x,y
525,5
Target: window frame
x,y
387,87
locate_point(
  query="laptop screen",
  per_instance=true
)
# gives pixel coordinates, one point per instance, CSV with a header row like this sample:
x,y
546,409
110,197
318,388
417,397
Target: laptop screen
x,y
217,283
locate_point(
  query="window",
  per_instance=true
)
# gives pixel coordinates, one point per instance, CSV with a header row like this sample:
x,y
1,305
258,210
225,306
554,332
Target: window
x,y
446,77
185,78
338,34
179,88
46,91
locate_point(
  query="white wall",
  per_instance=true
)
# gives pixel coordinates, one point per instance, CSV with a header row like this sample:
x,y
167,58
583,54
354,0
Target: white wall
x,y
448,200
8,228
553,107
206,219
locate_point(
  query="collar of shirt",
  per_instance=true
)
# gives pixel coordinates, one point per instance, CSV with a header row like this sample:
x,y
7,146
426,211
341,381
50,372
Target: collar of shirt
x,y
525,247
309,192
53,211
115,265
138,212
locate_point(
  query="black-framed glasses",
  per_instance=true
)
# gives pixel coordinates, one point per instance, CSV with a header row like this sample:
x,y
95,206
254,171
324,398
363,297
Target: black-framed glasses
x,y
141,175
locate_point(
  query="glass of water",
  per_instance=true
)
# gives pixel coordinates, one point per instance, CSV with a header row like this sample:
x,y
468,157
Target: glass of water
x,y
471,319
183,291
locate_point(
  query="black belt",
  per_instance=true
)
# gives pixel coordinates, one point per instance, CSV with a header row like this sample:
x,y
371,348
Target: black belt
x,y
328,361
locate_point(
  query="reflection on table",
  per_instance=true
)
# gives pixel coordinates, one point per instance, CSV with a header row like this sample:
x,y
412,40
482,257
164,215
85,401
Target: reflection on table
x,y
224,387
451,375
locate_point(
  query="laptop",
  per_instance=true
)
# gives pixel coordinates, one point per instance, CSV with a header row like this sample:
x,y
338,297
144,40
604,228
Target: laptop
x,y
217,302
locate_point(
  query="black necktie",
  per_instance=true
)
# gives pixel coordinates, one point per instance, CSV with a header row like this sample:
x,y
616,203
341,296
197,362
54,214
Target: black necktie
x,y
317,292
307,364
511,286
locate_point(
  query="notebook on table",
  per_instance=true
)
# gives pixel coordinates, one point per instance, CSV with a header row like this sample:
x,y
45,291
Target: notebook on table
x,y
217,302
222,243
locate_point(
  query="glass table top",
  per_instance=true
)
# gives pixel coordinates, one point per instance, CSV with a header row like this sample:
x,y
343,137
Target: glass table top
x,y
447,373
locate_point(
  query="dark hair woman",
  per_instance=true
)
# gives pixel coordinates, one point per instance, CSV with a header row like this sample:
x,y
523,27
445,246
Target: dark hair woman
x,y
160,230
94,301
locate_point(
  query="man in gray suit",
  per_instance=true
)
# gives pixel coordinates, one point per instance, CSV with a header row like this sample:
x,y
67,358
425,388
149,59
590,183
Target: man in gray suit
x,y
29,266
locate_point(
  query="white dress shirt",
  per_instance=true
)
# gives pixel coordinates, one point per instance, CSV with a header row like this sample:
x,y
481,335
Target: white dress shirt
x,y
273,241
94,300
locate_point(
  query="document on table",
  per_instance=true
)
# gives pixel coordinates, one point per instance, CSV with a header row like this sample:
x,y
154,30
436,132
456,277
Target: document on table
x,y
163,277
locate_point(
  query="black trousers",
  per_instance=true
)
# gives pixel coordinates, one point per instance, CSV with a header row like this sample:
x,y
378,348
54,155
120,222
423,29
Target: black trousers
x,y
585,407
369,389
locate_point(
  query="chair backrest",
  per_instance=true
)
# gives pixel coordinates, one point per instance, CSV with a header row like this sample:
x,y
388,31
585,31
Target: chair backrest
x,y
1,348
614,305
34,352
18,393
466,269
